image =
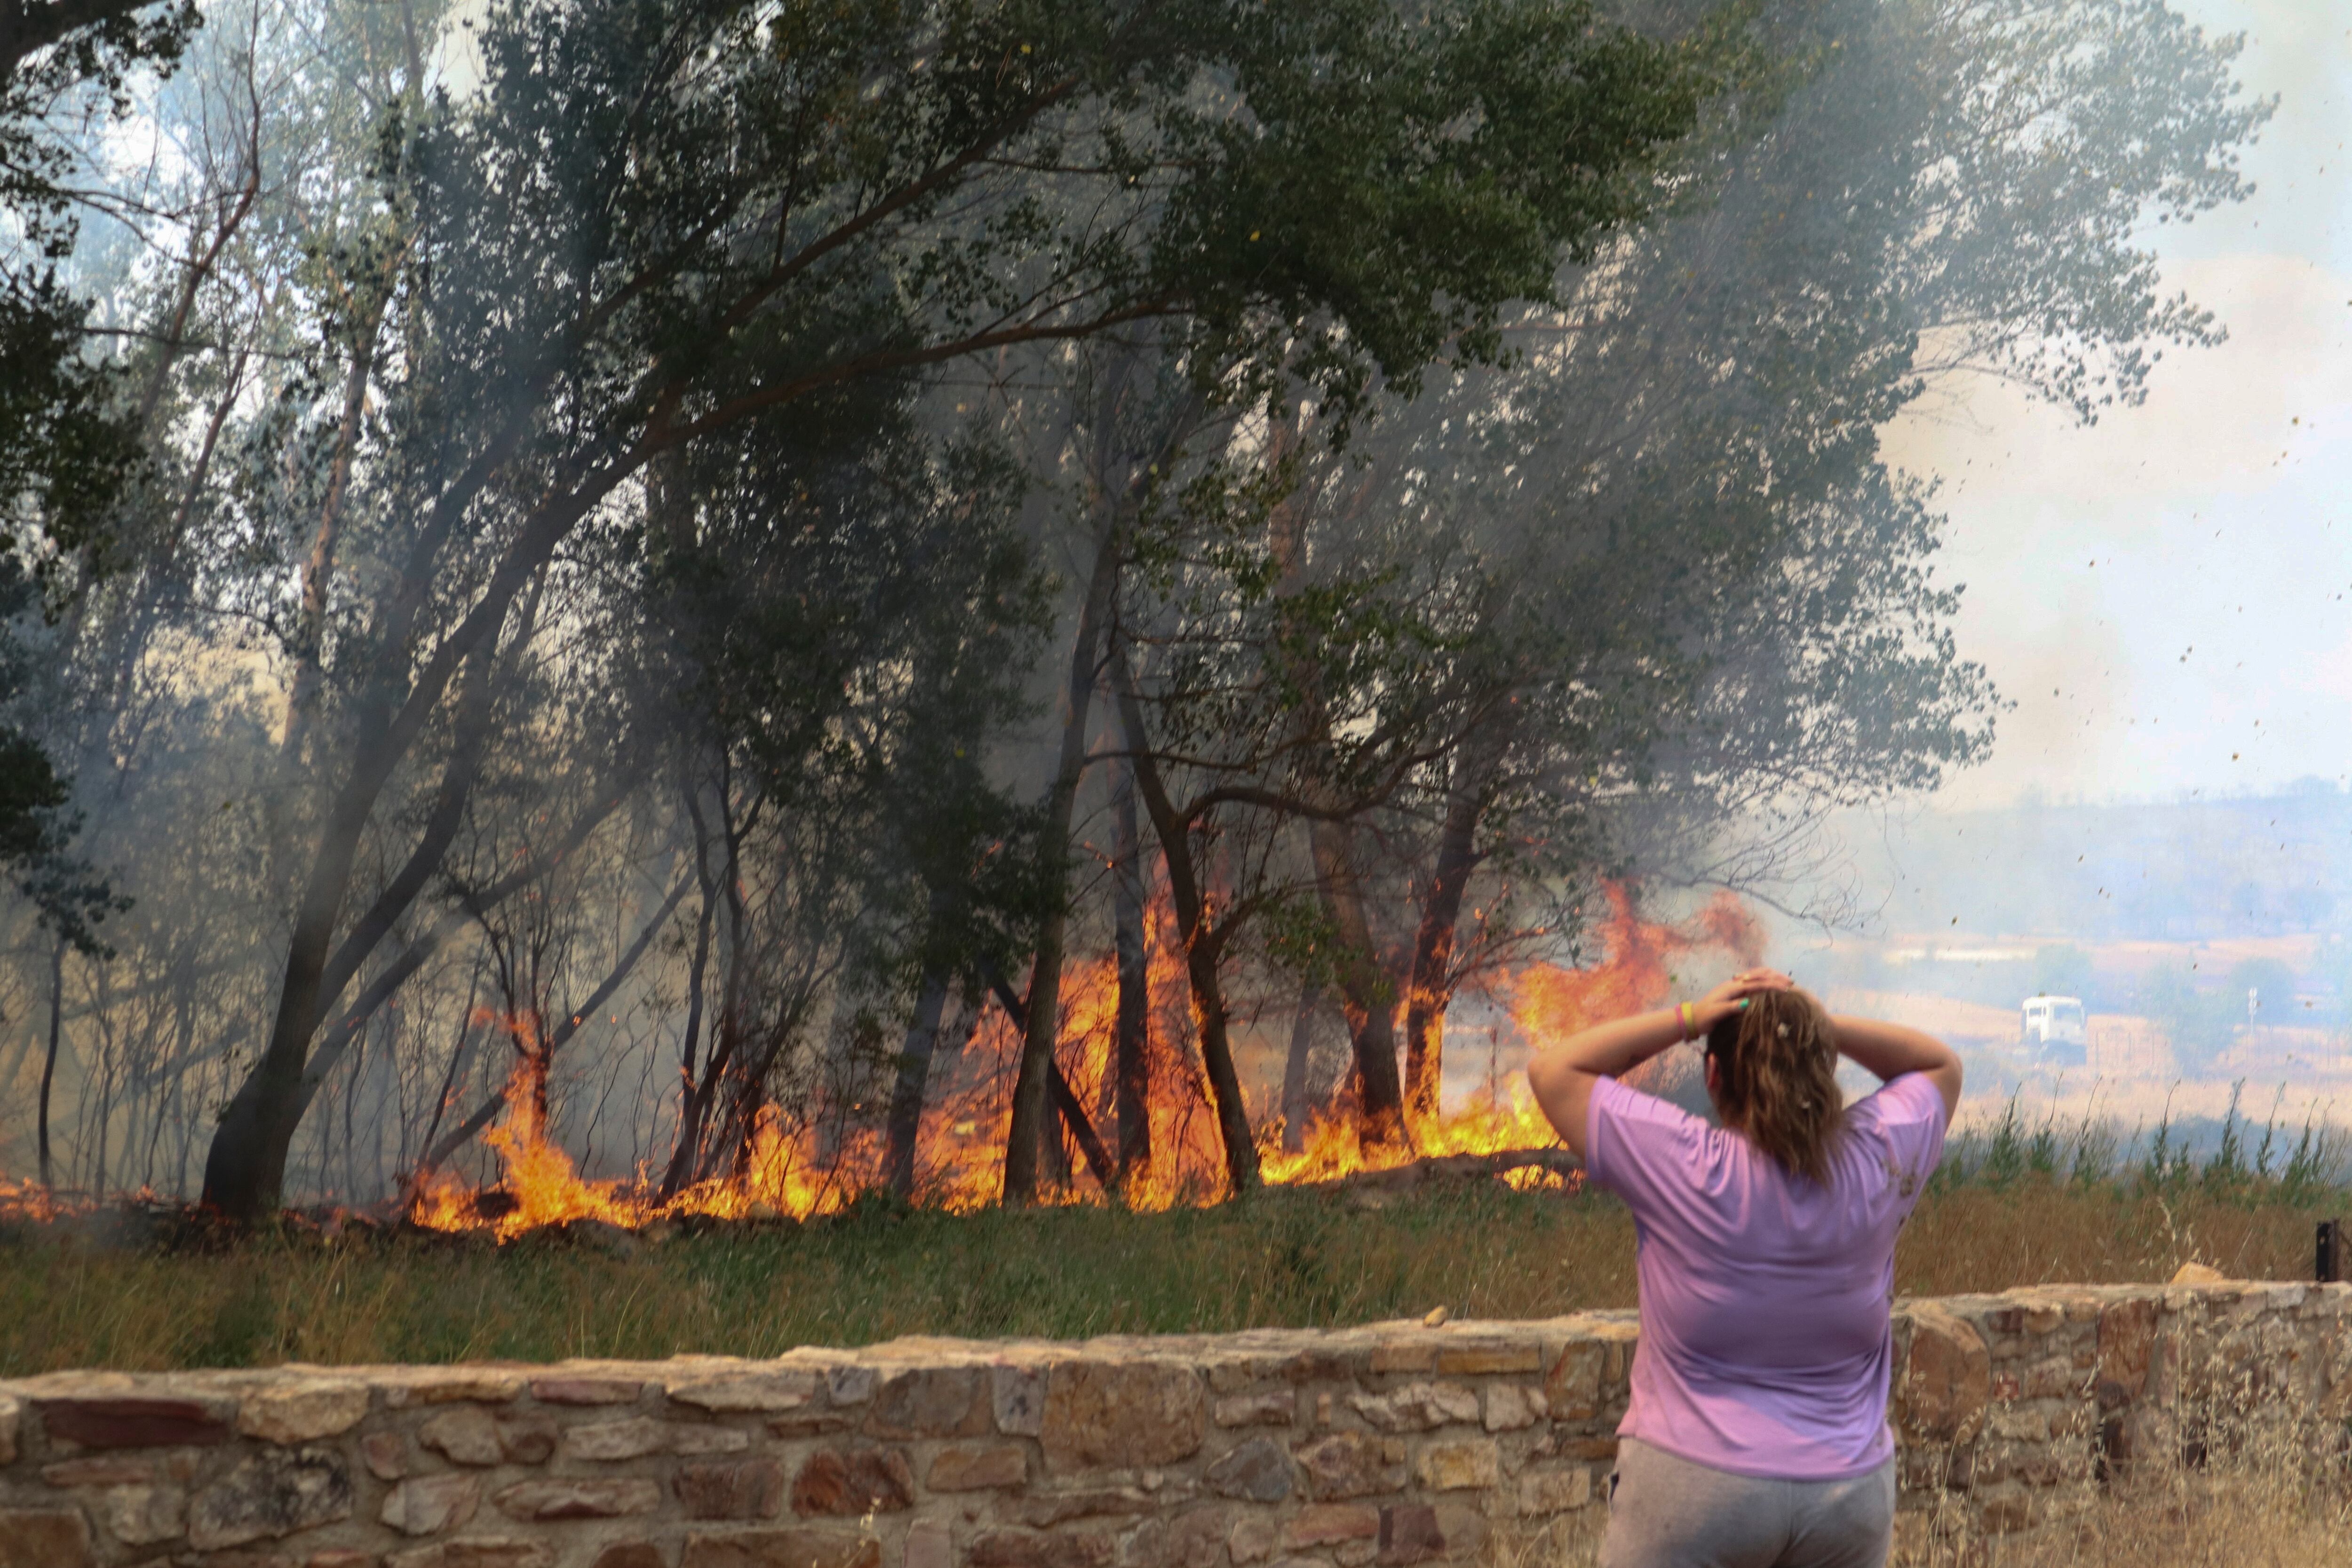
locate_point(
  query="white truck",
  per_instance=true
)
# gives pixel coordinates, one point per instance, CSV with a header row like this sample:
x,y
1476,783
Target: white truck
x,y
2053,1029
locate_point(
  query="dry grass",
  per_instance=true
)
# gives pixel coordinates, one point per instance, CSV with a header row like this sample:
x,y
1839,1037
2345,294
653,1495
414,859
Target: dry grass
x,y
1285,1259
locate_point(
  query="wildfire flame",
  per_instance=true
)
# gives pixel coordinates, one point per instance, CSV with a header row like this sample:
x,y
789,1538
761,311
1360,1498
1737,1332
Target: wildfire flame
x,y
798,1169
959,1152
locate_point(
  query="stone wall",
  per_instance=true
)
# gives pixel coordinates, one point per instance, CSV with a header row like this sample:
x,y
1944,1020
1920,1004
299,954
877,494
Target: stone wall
x,y
1388,1446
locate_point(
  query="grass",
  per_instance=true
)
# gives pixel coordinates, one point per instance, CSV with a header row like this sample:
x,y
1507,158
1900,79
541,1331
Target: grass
x,y
1285,1259
2019,1202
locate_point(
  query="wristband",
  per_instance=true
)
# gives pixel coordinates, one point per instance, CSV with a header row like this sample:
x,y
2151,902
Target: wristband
x,y
1688,1014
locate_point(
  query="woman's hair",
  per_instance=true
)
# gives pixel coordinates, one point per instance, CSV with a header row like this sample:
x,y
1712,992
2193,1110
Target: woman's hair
x,y
1776,1080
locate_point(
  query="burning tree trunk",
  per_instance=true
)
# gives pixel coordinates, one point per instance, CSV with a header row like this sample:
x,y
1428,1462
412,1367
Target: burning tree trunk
x,y
1204,942
1130,1058
1367,993
1121,480
915,1053
1027,1133
1429,988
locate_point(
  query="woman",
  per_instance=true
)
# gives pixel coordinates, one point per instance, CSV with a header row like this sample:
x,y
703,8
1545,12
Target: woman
x,y
1756,1434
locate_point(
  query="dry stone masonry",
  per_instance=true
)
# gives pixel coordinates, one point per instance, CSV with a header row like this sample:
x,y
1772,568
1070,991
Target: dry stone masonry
x,y
1383,1447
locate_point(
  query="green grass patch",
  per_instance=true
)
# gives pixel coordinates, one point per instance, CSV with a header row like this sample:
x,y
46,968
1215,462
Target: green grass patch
x,y
1283,1259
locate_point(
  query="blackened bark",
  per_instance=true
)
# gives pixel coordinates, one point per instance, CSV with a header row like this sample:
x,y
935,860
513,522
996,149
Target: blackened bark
x,y
1131,1046
1204,948
1026,1134
1366,993
1429,989
50,1064
1062,1097
914,1077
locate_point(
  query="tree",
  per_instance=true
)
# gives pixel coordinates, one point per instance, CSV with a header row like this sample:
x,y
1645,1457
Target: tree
x,y
1696,607
1353,111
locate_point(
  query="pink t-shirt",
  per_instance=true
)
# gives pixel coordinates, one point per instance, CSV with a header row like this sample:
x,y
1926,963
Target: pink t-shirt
x,y
1765,1347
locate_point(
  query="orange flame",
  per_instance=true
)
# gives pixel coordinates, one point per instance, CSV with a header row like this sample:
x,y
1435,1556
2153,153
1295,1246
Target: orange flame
x,y
792,1169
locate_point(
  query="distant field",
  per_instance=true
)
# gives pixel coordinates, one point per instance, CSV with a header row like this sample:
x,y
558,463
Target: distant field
x,y
1284,1258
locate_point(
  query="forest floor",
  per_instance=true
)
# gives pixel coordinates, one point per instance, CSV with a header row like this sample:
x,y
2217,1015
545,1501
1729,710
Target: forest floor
x,y
1284,1258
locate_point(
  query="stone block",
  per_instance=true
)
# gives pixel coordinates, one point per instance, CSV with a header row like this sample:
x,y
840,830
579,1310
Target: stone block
x,y
690,1438
11,1413
1193,1537
45,1538
789,1547
1413,1354
742,1489
978,1467
1417,1406
1477,1358
272,1493
464,1435
103,1470
1513,1406
385,1454
848,1384
1259,1470
526,1441
930,1544
929,1402
2127,1336
475,1554
456,1386
631,1554
1122,1414
608,1442
1573,1387
1046,1509
1325,1524
130,1423
762,1392
1348,1464
1253,1538
1409,1534
143,1515
586,1390
1040,1548
854,1482
1459,1464
427,1505
1017,1399
337,1557
1277,1409
301,1412
1554,1490
1946,1379
618,1497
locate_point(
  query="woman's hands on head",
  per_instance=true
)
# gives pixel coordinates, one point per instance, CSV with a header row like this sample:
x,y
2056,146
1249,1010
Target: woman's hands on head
x,y
1731,996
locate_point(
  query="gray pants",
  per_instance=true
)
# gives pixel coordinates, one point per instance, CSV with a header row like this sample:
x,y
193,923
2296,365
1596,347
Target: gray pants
x,y
1667,1513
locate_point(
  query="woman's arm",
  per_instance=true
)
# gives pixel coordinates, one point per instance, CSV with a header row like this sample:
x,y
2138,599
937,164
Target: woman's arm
x,y
1562,1077
1890,1051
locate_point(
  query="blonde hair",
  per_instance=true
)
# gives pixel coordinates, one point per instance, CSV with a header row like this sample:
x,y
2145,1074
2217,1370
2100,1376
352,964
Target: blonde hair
x,y
1775,1080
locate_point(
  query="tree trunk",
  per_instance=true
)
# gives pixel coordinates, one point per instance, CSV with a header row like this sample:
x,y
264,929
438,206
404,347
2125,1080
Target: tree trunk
x,y
1365,990
1130,1056
914,1077
245,1169
1428,990
1025,1138
1204,948
1295,1102
50,1064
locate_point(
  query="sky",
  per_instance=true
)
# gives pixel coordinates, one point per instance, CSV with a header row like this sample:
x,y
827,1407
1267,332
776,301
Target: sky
x,y
2167,596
